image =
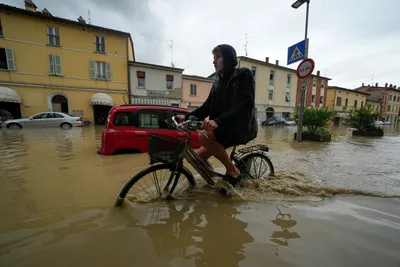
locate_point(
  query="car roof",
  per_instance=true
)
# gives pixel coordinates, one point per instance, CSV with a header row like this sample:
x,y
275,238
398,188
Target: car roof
x,y
156,107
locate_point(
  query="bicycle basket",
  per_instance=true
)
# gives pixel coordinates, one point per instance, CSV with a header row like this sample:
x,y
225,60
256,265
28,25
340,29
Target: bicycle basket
x,y
164,148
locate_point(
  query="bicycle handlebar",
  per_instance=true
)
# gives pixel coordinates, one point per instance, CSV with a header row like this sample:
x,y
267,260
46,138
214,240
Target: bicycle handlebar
x,y
192,124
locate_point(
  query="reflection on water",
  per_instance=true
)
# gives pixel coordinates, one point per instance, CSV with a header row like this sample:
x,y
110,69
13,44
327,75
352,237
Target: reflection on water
x,y
55,189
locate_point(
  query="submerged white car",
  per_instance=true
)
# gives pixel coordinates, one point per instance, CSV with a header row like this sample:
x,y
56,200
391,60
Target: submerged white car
x,y
45,119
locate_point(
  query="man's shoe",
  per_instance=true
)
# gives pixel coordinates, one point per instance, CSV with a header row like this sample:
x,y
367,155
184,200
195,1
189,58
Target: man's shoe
x,y
230,179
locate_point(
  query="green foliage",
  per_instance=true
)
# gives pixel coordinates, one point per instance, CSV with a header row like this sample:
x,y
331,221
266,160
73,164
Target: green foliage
x,y
316,119
362,118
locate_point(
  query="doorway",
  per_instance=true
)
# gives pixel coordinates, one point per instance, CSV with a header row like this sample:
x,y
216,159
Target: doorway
x,y
60,104
10,108
269,112
100,114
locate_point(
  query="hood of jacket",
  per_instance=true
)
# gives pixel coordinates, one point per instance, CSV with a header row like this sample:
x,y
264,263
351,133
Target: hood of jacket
x,y
229,59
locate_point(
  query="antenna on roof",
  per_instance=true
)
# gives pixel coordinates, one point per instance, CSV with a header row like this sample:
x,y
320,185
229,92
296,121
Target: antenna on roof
x,y
172,53
89,20
245,45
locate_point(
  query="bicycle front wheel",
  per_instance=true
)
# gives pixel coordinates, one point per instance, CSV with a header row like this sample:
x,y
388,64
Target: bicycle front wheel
x,y
157,182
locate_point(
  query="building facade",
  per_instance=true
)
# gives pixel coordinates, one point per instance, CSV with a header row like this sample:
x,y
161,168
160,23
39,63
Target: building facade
x,y
276,88
375,105
344,100
389,98
49,63
315,91
155,84
195,90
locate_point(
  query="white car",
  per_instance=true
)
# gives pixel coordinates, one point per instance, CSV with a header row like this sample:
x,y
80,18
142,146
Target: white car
x,y
45,119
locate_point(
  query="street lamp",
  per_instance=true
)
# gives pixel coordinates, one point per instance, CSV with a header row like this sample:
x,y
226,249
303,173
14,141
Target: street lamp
x,y
296,5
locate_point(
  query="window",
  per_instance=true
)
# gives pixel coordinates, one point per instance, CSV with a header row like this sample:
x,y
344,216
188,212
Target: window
x,y
175,105
394,99
170,81
141,76
288,79
390,97
322,85
253,70
287,97
154,119
1,29
55,116
338,101
53,35
55,65
388,108
313,99
100,44
270,95
125,119
362,103
346,103
193,89
7,61
40,116
271,77
355,103
314,83
100,70
321,99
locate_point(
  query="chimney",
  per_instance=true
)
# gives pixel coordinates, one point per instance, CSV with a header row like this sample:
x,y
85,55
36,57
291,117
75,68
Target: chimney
x,y
81,20
277,62
46,12
318,72
395,86
385,84
30,6
362,84
267,59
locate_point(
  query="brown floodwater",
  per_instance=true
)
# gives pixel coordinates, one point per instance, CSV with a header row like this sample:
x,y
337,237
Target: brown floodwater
x,y
330,204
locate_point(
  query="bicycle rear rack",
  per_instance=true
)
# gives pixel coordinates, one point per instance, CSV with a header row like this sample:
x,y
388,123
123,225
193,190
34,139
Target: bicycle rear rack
x,y
254,148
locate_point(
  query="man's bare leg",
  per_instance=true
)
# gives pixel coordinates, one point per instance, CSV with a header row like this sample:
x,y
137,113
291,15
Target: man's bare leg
x,y
204,154
218,151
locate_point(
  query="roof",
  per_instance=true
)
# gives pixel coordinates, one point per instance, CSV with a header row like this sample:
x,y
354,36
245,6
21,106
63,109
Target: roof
x,y
379,88
348,90
39,14
154,66
276,66
375,101
197,78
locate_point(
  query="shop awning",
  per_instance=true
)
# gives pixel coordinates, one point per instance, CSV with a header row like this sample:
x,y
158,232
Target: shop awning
x,y
9,95
151,101
102,99
341,115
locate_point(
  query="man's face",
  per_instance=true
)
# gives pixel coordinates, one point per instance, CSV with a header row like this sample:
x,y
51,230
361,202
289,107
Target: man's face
x,y
218,61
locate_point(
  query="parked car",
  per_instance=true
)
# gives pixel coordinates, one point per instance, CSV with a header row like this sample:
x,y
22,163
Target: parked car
x,y
45,119
273,121
128,126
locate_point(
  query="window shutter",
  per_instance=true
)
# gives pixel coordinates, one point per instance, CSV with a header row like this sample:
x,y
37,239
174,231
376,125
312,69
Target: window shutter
x,y
10,59
52,70
58,67
104,44
57,33
92,69
108,70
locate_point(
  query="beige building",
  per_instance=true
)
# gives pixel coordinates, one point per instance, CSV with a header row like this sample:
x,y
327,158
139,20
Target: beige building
x,y
195,90
343,100
375,105
276,87
155,84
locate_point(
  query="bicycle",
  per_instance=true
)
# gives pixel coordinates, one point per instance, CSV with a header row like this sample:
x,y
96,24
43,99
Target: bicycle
x,y
168,153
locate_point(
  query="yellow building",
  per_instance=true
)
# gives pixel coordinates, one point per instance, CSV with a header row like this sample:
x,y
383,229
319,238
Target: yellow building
x,y
49,63
343,100
375,105
276,87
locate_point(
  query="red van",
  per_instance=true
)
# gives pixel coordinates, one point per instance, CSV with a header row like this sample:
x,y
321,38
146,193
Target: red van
x,y
128,125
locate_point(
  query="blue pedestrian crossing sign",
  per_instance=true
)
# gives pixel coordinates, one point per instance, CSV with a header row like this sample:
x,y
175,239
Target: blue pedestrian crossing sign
x,y
296,52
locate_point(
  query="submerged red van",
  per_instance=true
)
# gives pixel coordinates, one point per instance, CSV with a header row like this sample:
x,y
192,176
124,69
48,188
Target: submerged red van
x,y
128,126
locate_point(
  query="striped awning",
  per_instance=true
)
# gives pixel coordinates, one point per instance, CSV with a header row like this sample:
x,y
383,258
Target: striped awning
x,y
341,115
151,101
9,95
102,99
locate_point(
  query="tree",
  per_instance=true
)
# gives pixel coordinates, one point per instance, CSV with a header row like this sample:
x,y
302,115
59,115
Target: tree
x,y
316,119
362,118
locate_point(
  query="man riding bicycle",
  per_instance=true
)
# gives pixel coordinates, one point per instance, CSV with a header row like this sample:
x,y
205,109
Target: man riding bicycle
x,y
228,113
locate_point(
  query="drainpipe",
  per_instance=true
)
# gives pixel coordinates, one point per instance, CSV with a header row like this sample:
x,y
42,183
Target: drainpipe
x,y
129,71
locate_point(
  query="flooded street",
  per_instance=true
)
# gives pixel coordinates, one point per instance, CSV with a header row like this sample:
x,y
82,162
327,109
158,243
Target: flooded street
x,y
333,204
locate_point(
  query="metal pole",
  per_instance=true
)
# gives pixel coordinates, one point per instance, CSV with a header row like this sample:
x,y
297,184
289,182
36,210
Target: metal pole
x,y
303,85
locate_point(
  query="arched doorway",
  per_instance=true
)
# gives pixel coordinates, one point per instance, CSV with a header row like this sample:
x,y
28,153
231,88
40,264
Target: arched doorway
x,y
269,112
59,103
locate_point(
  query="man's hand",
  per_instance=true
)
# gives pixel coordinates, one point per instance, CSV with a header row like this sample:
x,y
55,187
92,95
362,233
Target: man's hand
x,y
209,125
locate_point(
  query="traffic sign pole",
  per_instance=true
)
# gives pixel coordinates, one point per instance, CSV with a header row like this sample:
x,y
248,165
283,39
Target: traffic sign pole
x,y
303,86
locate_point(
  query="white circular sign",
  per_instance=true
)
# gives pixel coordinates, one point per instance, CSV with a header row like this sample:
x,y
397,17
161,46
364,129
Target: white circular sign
x,y
305,68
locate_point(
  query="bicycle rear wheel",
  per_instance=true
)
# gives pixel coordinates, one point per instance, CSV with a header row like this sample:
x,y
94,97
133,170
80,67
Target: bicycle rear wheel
x,y
148,181
255,166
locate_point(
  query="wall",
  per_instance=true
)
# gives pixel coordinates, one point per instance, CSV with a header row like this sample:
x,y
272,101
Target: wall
x,y
351,96
320,89
203,90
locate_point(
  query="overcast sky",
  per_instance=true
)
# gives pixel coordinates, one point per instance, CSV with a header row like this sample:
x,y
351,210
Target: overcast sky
x,y
351,41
